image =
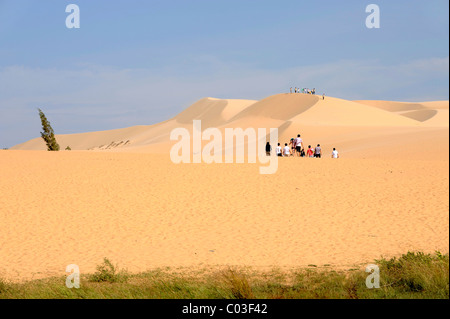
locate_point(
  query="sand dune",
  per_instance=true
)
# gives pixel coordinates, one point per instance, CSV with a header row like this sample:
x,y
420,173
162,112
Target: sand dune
x,y
212,112
290,113
441,119
125,200
394,106
333,111
421,115
436,105
434,114
87,141
279,107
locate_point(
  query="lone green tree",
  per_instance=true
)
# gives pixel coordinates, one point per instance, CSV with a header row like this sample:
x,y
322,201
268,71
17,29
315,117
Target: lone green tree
x,y
48,134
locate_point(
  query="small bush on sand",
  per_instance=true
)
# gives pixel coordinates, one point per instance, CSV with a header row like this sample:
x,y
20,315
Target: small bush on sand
x,y
238,284
107,272
417,272
3,286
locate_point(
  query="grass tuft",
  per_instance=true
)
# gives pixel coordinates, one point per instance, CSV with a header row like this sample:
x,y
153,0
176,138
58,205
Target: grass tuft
x,y
3,286
417,272
107,272
238,285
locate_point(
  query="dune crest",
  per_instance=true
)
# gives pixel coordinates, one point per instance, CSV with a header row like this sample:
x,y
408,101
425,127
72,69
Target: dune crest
x,y
352,125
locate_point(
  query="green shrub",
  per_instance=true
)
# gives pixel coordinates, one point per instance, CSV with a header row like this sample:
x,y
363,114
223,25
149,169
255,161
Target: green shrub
x,y
238,284
3,286
107,272
417,272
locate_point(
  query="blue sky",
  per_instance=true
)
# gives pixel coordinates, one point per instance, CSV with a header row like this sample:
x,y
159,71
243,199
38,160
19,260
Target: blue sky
x,y
141,62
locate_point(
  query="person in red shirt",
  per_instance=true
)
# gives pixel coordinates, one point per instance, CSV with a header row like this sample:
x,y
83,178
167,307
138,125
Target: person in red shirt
x,y
310,151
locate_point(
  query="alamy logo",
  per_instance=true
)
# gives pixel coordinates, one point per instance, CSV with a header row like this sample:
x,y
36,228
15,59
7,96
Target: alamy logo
x,y
373,280
212,152
73,280
373,19
73,19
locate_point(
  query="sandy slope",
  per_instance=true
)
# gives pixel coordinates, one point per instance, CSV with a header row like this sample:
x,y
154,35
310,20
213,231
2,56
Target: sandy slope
x,y
406,106
432,114
125,199
212,112
142,211
392,106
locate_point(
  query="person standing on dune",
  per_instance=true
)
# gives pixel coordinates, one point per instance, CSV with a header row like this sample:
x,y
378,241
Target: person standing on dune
x,y
298,145
318,151
278,150
292,145
310,151
334,154
286,150
323,96
268,149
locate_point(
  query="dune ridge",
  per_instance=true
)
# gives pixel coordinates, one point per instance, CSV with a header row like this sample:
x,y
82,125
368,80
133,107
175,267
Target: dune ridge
x,y
318,120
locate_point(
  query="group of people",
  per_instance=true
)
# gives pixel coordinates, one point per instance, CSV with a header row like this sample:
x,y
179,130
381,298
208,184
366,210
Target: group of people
x,y
296,148
307,91
304,91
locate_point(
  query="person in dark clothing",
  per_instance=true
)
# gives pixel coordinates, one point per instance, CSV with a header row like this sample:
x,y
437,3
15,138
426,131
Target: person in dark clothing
x,y
268,149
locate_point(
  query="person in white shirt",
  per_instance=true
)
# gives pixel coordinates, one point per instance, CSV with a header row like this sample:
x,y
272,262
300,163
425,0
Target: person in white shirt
x,y
286,150
334,154
298,144
278,150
